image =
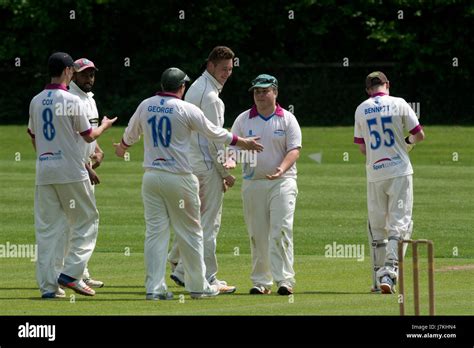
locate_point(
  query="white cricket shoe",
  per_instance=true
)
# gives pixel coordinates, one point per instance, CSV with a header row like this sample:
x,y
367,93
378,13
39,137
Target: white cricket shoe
x,y
386,285
77,285
223,287
260,290
157,297
217,281
93,283
212,291
60,293
285,289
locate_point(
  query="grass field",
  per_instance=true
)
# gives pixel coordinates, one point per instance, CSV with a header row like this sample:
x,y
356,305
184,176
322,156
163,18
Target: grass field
x,y
331,207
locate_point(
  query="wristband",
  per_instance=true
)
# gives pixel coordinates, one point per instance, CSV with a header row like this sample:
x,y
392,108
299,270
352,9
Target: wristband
x,y
407,140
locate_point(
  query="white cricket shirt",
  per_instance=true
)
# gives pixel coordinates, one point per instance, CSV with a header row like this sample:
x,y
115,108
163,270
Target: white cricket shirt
x,y
90,109
381,122
56,123
166,123
280,133
204,93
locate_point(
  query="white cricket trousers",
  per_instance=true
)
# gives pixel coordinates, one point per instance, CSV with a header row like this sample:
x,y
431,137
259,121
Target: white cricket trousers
x,y
211,194
390,205
172,200
65,242
269,207
61,208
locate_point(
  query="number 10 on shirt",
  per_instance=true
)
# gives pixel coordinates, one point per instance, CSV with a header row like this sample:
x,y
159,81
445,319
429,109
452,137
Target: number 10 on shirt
x,y
160,130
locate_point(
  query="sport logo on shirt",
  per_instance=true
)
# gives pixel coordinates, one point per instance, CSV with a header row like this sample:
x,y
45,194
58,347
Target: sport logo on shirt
x,y
279,132
161,161
50,156
387,162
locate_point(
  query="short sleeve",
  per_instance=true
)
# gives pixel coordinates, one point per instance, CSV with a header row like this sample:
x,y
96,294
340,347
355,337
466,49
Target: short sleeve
x,y
358,133
134,129
293,134
411,123
80,121
31,122
236,127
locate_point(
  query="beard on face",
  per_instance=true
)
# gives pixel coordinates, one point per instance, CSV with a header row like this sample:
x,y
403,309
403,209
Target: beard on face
x,y
85,87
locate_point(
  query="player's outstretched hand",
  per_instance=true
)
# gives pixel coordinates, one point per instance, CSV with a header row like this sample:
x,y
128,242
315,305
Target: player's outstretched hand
x,y
107,122
119,150
229,164
250,144
278,173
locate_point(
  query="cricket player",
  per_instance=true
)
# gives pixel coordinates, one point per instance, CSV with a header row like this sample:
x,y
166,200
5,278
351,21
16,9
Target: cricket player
x,y
81,85
170,191
213,178
380,125
64,200
269,189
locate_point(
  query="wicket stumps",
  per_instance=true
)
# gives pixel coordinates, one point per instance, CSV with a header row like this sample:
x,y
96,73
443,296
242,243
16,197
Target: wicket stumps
x,y
416,285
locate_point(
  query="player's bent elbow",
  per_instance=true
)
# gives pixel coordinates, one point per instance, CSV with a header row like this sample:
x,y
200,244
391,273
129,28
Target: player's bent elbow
x,y
88,138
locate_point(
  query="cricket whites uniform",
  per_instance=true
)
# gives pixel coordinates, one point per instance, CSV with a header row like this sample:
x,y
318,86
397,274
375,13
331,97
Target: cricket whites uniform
x,y
64,200
88,149
170,191
90,109
269,205
204,93
381,122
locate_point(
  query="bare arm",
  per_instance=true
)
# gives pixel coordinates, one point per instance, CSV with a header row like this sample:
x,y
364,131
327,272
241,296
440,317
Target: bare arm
x,y
362,148
97,132
97,157
249,144
415,138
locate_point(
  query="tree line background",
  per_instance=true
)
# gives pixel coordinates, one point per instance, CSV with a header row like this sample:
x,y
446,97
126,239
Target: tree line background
x,y
320,51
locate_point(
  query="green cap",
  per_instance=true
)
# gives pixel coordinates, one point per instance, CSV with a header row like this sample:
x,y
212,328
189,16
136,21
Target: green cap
x,y
173,78
264,81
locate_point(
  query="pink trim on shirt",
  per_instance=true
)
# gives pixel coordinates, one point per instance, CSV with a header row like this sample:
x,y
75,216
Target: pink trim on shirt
x,y
167,94
125,144
86,132
378,94
415,130
278,111
359,140
56,86
234,139
30,133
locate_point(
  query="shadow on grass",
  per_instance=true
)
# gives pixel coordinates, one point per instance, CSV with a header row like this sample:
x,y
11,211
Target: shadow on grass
x,y
300,293
18,288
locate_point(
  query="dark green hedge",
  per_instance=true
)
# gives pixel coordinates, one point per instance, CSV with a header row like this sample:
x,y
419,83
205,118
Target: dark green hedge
x,y
305,53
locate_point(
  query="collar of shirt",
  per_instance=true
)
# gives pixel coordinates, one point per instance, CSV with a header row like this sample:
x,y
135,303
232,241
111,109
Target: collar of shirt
x,y
77,90
379,94
278,111
216,83
167,94
56,86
